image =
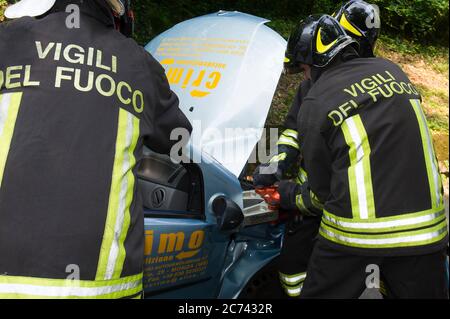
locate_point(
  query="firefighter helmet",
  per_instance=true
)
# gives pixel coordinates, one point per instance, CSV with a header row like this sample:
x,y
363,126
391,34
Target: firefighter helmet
x,y
33,8
316,41
30,8
361,21
121,9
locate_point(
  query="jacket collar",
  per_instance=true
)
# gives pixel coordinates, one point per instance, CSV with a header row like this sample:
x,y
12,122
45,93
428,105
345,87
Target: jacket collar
x,y
349,53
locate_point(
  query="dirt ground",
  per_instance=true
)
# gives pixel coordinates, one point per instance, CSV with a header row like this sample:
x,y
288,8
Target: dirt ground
x,y
434,85
433,82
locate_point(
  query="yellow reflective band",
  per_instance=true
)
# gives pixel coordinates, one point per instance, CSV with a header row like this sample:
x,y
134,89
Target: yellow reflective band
x,y
434,178
302,175
285,140
292,291
9,109
292,279
386,224
129,195
348,26
112,253
293,145
40,288
383,289
315,201
278,158
290,133
287,60
420,237
322,48
359,172
300,204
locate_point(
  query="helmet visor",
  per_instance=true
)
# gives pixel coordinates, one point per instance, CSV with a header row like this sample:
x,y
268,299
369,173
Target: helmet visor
x,y
28,8
117,7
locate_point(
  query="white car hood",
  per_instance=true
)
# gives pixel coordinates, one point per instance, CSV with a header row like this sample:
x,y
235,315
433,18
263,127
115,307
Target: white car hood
x,y
224,67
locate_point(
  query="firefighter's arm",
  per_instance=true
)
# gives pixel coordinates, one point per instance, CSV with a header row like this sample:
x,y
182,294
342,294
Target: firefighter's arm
x,y
316,154
287,154
308,196
287,151
163,114
288,143
295,196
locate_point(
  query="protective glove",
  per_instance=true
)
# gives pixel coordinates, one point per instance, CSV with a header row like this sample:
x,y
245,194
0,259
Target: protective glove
x,y
287,153
266,175
288,194
290,191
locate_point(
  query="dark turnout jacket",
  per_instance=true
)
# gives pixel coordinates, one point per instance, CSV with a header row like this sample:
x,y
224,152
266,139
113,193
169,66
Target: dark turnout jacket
x,y
291,119
370,159
77,105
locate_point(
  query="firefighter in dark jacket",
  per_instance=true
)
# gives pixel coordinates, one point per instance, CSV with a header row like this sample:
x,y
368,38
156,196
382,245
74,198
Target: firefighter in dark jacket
x,y
361,21
367,148
77,106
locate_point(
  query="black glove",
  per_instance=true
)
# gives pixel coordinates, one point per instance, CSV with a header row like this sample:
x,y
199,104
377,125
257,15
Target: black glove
x,y
288,194
288,198
266,175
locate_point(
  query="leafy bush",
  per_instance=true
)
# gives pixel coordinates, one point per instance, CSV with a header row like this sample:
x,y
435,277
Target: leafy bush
x,y
424,20
420,20
3,4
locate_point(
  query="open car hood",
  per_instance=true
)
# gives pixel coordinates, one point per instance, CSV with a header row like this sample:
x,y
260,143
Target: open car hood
x,y
224,67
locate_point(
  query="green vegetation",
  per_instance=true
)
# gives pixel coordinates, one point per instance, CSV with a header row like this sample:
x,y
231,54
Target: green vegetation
x,y
419,20
424,21
3,5
436,107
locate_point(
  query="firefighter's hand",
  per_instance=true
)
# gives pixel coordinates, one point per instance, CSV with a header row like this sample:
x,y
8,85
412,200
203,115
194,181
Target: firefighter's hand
x,y
266,175
288,194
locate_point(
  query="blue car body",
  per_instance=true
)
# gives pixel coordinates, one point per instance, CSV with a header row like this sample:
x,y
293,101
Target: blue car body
x,y
205,262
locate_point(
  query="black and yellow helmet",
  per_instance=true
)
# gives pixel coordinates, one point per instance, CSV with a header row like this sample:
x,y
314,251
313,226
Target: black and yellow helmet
x,y
361,21
316,41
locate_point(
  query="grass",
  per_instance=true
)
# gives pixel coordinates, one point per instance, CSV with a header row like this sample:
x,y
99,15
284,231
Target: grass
x,y
436,107
427,67
435,56
3,5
